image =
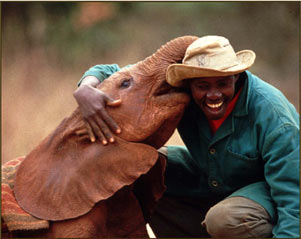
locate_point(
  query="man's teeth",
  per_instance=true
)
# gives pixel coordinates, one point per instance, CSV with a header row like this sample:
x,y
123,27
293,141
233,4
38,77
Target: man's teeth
x,y
215,105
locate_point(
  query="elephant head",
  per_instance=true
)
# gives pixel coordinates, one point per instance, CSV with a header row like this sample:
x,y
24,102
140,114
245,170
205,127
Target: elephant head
x,y
151,108
66,174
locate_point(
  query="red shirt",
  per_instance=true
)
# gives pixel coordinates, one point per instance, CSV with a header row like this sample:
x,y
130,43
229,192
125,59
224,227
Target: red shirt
x,y
215,124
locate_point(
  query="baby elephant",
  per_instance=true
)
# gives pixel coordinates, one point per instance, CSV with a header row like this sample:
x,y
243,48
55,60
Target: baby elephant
x,y
83,189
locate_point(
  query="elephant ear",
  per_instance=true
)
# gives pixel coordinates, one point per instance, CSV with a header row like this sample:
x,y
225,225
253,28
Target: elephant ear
x,y
66,183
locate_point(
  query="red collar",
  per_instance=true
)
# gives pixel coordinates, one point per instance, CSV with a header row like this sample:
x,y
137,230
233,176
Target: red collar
x,y
215,124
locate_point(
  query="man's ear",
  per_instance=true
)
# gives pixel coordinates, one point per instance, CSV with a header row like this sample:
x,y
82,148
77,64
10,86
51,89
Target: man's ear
x,y
236,77
66,183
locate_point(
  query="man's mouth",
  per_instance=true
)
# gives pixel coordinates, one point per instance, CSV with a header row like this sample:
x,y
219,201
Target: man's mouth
x,y
215,106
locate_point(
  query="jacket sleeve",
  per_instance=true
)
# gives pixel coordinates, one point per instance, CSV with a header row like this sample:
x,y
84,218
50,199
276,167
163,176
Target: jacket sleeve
x,y
281,154
101,72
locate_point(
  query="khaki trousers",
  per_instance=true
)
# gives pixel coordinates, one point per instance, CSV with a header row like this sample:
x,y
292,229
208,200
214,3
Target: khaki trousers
x,y
234,217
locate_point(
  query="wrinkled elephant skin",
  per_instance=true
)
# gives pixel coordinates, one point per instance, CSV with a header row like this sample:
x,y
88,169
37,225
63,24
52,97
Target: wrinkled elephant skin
x,y
90,190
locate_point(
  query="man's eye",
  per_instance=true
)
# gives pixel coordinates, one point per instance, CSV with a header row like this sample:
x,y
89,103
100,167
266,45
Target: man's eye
x,y
223,84
202,87
125,83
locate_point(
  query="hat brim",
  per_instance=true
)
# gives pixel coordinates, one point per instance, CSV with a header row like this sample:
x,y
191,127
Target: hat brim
x,y
176,73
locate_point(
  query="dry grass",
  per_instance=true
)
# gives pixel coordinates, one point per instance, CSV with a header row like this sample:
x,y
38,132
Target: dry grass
x,y
34,101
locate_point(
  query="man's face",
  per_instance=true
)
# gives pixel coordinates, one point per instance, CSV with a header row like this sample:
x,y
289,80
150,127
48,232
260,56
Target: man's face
x,y
213,94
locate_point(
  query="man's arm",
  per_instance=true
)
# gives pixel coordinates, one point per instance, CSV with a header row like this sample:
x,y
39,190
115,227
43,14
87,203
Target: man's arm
x,y
100,72
92,103
281,153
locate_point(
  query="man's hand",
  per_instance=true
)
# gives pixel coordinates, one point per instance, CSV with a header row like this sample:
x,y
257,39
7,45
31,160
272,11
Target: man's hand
x,y
92,104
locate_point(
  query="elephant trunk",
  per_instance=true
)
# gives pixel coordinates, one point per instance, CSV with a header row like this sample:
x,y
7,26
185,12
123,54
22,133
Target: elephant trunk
x,y
155,66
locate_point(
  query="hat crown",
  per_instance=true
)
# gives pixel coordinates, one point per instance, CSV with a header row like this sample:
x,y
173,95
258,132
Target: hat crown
x,y
209,56
213,52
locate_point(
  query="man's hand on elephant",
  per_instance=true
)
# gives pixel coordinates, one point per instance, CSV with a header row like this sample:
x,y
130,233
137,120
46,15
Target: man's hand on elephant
x,y
92,104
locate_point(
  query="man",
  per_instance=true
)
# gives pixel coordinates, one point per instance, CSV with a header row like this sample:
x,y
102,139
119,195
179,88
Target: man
x,y
238,175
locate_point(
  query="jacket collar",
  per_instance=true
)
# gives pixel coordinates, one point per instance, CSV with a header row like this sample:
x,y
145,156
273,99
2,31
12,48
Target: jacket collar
x,y
241,108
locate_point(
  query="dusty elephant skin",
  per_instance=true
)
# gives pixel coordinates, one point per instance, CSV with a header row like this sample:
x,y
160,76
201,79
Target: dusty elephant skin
x,y
89,190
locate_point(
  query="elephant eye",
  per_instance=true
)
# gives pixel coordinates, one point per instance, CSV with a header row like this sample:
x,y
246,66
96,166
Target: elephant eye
x,y
125,83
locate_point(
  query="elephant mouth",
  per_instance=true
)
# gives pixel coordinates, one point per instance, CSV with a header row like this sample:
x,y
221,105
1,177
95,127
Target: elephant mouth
x,y
170,96
164,88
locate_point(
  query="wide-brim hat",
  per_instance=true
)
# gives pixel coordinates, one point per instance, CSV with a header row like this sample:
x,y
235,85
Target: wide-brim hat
x,y
209,56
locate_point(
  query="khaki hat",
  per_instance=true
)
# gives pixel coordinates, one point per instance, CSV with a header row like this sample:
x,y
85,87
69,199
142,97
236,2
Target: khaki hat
x,y
209,56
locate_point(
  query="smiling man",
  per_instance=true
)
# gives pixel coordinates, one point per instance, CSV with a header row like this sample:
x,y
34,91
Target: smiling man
x,y
213,95
238,174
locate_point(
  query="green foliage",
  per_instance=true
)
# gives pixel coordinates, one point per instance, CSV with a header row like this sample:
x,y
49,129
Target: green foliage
x,y
57,25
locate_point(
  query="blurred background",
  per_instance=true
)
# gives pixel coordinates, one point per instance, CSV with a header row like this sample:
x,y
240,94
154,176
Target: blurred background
x,y
47,46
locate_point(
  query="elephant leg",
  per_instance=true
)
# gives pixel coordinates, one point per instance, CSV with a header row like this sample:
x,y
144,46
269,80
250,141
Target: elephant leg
x,y
90,225
125,215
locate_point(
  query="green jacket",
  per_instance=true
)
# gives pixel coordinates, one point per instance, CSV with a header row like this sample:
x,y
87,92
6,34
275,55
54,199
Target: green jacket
x,y
258,142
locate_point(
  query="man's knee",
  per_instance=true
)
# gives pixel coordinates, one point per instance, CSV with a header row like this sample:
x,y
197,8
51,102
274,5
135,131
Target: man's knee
x,y
238,217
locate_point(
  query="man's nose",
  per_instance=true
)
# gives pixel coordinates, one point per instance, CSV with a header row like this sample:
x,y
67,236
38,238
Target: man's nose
x,y
213,95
